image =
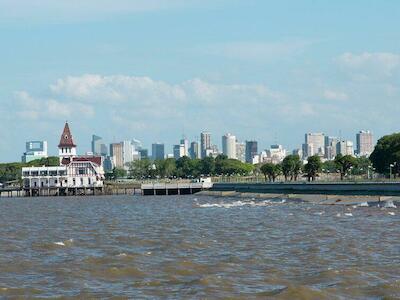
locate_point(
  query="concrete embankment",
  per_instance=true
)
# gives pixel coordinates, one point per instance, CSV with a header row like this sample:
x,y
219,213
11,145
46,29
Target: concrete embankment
x,y
318,193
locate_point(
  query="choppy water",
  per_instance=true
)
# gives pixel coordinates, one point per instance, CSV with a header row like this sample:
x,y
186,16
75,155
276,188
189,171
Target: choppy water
x,y
188,248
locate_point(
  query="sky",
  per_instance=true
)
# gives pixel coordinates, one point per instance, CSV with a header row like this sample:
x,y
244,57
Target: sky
x,y
156,70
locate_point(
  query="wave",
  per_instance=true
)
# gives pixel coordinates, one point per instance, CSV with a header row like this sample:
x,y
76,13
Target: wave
x,y
390,204
239,204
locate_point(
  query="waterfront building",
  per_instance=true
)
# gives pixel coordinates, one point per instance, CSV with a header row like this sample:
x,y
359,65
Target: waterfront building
x,y
314,144
251,151
229,145
34,150
241,151
74,172
345,148
205,143
116,153
157,151
365,143
194,151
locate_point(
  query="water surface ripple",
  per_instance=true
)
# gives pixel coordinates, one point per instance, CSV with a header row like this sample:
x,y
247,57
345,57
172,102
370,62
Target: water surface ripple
x,y
190,247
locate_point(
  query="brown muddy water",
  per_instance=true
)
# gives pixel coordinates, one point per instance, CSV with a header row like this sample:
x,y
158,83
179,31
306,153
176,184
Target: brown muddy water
x,y
190,247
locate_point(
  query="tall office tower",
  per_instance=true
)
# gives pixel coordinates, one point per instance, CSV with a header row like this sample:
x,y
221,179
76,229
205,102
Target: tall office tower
x,y
314,144
185,143
251,150
34,150
205,142
127,149
330,147
365,143
194,150
179,151
241,151
345,148
157,151
116,153
96,144
229,145
143,153
103,150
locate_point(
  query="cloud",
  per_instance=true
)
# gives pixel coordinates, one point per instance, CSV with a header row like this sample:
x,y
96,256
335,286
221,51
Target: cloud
x,y
335,95
367,65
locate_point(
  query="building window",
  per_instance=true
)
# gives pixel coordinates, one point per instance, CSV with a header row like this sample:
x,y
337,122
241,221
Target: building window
x,y
55,181
81,181
74,181
89,181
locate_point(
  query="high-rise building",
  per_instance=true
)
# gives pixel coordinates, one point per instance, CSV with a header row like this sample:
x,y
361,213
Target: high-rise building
x,y
345,148
314,144
330,147
229,145
194,151
96,144
34,150
157,151
179,151
143,153
116,154
127,149
251,150
205,142
185,143
241,151
365,143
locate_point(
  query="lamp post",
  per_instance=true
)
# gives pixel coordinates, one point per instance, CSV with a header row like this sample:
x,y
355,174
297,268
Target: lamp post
x,y
390,169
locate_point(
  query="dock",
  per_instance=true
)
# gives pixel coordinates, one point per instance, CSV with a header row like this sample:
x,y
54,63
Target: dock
x,y
165,189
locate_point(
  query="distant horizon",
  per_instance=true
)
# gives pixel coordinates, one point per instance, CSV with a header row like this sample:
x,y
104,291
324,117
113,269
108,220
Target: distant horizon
x,y
155,70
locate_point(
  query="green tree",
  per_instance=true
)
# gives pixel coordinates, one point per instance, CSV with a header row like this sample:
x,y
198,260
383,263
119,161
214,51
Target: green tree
x,y
119,173
272,171
344,164
313,167
387,153
140,169
291,167
166,167
208,166
184,167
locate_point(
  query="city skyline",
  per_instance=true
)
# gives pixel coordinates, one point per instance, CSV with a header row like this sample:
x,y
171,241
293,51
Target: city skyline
x,y
263,70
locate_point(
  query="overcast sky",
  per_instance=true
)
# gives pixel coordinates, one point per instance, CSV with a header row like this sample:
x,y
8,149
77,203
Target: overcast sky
x,y
153,70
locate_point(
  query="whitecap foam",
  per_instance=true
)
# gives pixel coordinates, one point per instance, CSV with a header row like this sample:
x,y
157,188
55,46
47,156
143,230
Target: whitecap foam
x,y
59,243
237,204
390,204
363,204
391,213
121,255
348,214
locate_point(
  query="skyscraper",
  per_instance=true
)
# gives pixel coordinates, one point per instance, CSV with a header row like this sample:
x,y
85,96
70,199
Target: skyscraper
x,y
96,144
127,152
345,148
251,150
194,151
331,147
185,143
157,151
116,153
179,151
241,151
205,141
229,145
365,144
314,144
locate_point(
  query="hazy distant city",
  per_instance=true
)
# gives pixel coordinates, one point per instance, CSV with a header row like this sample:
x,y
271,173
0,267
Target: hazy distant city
x,y
120,154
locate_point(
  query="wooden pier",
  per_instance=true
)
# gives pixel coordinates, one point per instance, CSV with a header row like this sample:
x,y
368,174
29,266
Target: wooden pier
x,y
164,189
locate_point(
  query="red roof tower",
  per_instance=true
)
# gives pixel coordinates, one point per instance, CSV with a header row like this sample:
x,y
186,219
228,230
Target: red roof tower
x,y
66,140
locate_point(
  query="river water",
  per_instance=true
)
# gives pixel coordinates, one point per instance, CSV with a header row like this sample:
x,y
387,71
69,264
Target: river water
x,y
188,247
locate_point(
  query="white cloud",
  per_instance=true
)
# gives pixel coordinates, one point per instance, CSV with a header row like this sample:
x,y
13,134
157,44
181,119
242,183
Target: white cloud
x,y
335,95
370,64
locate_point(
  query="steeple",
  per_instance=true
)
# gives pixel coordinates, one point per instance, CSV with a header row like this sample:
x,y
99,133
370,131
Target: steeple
x,y
66,147
66,140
